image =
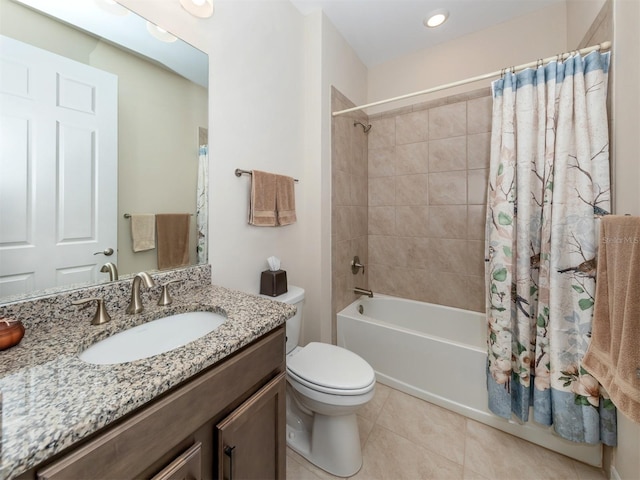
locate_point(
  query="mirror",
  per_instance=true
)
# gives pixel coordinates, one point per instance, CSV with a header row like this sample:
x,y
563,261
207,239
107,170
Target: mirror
x,y
161,106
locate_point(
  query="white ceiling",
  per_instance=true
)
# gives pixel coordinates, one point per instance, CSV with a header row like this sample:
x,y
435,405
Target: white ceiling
x,y
380,30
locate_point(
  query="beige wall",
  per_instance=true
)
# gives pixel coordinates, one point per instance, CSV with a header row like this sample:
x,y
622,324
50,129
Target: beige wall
x,y
510,43
157,127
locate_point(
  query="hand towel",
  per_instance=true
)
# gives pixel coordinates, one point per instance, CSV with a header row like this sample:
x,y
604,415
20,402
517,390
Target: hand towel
x,y
173,239
613,356
262,210
143,231
285,200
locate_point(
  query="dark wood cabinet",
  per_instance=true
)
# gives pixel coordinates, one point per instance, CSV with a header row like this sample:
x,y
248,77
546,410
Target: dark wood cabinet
x,y
248,440
239,402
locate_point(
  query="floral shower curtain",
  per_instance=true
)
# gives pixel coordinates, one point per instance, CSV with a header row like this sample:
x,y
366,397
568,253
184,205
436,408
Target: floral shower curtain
x,y
548,183
202,204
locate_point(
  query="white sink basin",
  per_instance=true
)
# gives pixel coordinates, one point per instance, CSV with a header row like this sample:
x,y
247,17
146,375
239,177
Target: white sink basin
x,y
152,338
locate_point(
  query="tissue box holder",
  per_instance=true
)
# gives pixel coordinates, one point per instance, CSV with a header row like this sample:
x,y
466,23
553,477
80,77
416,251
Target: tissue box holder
x,y
273,283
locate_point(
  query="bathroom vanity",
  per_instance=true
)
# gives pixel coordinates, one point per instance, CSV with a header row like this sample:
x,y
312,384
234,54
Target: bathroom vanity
x,y
214,408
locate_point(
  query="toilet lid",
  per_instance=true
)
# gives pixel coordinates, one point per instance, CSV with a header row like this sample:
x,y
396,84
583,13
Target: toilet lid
x,y
330,367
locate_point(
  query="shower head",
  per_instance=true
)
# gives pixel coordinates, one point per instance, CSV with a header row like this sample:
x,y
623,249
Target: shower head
x,y
366,128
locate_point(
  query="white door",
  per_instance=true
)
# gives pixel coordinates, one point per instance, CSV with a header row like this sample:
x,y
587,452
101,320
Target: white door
x,y
58,169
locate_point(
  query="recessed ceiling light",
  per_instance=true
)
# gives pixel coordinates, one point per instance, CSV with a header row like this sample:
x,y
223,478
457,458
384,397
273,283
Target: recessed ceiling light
x,y
436,18
160,33
198,8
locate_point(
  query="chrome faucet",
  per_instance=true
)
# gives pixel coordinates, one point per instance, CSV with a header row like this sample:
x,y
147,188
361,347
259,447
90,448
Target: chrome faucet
x,y
112,269
364,291
135,306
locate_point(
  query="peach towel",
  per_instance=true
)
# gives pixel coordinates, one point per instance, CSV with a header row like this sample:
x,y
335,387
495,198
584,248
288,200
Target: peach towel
x,y
285,200
613,356
143,231
262,210
273,200
173,239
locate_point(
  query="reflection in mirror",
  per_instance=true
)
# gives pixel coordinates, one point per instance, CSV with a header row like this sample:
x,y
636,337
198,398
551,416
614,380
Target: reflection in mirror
x,y
70,187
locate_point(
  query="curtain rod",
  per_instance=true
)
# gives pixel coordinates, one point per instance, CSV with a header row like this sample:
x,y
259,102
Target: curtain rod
x,y
602,46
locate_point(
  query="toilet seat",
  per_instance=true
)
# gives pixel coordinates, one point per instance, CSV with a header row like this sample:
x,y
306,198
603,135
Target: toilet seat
x,y
330,369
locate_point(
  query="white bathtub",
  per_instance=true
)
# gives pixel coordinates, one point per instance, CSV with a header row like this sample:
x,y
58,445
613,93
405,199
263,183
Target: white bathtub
x,y
437,353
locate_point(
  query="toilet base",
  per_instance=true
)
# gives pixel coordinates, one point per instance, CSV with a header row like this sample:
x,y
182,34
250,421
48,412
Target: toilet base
x,y
329,442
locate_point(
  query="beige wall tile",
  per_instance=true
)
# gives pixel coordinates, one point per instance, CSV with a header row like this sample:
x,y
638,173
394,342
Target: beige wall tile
x,y
382,133
475,257
412,189
414,252
341,193
383,250
476,218
448,121
382,162
412,158
412,281
358,161
450,289
478,150
341,256
341,144
383,279
448,188
382,191
341,220
358,190
412,127
477,186
475,290
479,112
448,255
358,221
382,220
412,221
448,154
448,221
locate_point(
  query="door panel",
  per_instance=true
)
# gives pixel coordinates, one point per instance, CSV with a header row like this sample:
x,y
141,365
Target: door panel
x,y
250,440
58,169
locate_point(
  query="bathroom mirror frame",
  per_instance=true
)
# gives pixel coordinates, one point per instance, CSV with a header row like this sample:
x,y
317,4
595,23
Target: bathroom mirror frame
x,y
170,62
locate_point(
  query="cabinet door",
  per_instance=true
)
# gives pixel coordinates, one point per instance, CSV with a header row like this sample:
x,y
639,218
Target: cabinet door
x,y
187,466
251,440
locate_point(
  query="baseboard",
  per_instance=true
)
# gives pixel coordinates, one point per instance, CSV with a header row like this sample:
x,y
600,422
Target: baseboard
x,y
614,474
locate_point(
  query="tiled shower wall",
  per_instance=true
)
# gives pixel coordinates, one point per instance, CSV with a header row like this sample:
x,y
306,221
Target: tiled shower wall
x,y
428,167
348,203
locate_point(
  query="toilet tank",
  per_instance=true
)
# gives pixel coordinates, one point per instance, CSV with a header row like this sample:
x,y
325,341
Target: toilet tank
x,y
294,296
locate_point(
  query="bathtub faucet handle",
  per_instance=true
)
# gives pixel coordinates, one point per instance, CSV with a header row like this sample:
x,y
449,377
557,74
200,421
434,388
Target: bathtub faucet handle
x,y
356,265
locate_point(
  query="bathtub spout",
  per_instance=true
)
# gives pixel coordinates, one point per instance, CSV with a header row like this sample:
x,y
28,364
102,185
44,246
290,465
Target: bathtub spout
x,y
364,291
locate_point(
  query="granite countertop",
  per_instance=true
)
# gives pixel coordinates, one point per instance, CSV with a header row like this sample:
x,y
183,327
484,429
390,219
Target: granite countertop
x,y
51,398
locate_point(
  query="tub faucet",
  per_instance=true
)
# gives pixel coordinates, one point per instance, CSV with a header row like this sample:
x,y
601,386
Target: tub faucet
x,y
364,291
135,306
112,269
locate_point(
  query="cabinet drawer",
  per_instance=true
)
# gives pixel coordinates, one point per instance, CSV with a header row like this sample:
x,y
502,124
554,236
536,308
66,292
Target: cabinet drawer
x,y
129,448
187,466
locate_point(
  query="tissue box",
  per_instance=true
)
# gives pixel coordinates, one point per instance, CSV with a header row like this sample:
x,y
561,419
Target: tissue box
x,y
273,283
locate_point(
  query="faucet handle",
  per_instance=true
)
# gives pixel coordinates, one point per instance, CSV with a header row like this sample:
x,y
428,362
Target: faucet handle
x,y
165,298
101,316
356,265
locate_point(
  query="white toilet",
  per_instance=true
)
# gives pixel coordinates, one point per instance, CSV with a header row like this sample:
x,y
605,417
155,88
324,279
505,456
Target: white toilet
x,y
326,385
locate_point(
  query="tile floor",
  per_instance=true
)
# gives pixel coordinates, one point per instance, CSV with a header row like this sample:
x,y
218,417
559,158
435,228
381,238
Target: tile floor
x,y
404,437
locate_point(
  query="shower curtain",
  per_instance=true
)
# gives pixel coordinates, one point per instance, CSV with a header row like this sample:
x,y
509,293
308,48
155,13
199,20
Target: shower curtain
x,y
202,204
548,183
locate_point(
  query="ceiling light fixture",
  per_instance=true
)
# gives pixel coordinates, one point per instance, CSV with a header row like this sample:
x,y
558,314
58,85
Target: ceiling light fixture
x,y
160,33
198,8
436,18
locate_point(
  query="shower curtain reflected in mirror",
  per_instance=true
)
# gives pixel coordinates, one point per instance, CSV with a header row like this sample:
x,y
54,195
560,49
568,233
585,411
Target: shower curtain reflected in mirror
x,y
548,183
202,204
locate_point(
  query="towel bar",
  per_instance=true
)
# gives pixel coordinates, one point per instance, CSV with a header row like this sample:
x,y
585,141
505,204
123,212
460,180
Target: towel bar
x,y
128,215
240,172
